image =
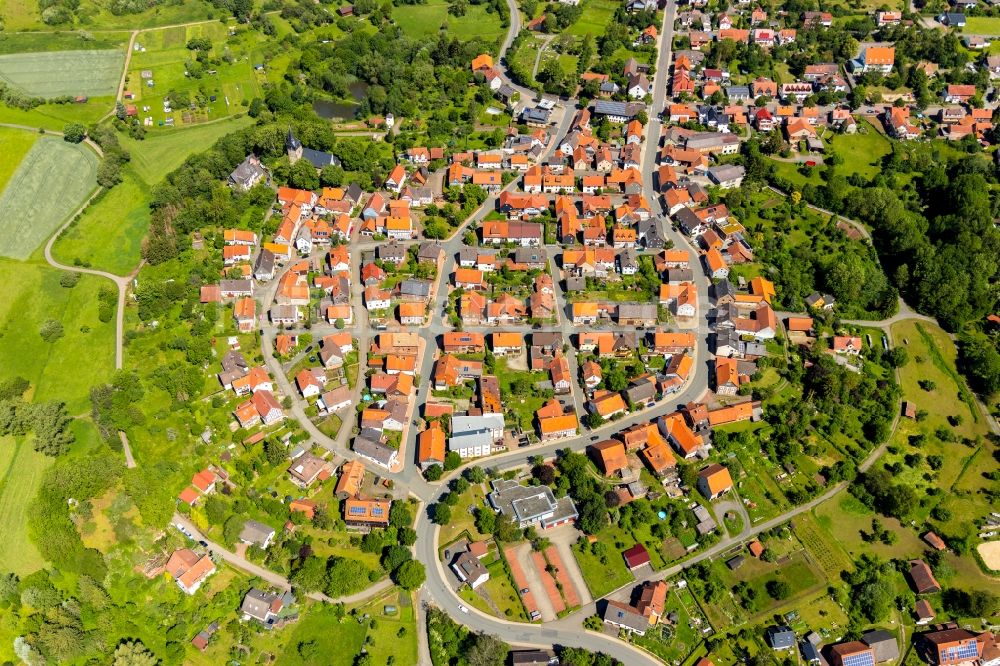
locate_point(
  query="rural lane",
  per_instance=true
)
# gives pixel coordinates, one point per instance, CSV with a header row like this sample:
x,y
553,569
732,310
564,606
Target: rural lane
x,y
271,577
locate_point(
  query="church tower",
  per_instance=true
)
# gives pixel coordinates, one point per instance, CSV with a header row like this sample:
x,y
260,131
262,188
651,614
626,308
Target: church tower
x,y
293,146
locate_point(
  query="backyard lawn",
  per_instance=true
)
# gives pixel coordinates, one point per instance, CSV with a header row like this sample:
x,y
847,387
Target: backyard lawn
x,y
462,519
982,25
605,576
674,642
862,151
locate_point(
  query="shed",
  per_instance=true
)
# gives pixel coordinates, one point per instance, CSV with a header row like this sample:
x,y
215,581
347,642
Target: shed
x,y
636,556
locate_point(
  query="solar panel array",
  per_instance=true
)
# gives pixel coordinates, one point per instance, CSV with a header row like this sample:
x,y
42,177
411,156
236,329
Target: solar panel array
x,y
966,650
357,511
865,658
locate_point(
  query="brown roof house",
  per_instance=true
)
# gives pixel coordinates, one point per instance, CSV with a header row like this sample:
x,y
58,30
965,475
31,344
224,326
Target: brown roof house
x,y
189,569
922,578
609,456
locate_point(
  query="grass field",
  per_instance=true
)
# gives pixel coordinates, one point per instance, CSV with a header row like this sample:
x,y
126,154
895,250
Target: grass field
x,y
14,145
844,517
163,151
932,358
55,73
862,152
52,180
212,95
55,116
25,15
31,42
21,471
427,19
982,25
602,578
66,369
339,641
108,236
594,19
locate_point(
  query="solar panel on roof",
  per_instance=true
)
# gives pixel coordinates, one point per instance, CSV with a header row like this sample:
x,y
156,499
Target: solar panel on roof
x,y
964,651
377,511
357,510
861,659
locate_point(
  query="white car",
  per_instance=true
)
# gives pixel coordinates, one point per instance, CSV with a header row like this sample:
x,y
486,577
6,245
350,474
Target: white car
x,y
463,608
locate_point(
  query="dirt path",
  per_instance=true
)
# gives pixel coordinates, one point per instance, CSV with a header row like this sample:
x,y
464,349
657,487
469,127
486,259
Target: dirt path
x,y
129,460
538,56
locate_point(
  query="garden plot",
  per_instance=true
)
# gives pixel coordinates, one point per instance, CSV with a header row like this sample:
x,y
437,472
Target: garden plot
x,y
57,73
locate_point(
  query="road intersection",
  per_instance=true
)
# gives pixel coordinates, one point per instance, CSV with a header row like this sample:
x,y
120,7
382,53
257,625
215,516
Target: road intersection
x,y
438,588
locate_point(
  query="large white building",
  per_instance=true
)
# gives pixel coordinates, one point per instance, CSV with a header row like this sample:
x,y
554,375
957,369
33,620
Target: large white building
x,y
475,436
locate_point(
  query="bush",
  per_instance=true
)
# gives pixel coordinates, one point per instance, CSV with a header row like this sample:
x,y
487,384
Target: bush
x,y
778,589
69,279
74,133
51,330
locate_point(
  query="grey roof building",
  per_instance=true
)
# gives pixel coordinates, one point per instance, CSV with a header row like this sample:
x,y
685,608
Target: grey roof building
x,y
368,444
265,607
616,111
470,570
248,173
625,617
631,312
676,275
263,267
415,289
641,393
534,257
536,116
688,222
727,175
533,658
809,652
317,158
780,637
256,533
236,288
531,505
738,92
883,645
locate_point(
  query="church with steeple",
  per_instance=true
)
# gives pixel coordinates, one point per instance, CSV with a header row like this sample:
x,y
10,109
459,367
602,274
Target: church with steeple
x,y
296,151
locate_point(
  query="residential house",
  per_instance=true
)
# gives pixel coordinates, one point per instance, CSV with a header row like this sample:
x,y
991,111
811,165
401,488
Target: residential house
x,y
714,481
189,570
